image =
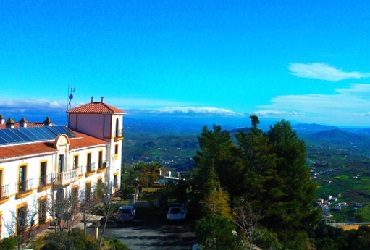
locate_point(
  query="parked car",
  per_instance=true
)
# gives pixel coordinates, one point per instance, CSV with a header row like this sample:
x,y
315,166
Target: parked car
x,y
125,213
176,214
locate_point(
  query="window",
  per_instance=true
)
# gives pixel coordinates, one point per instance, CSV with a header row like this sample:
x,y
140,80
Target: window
x,y
89,168
88,191
42,211
75,162
22,179
100,159
116,149
59,202
43,180
75,196
61,163
115,181
60,194
21,220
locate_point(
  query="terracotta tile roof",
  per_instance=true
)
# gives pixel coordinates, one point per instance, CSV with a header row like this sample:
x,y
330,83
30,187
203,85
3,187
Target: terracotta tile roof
x,y
83,140
96,108
29,125
24,150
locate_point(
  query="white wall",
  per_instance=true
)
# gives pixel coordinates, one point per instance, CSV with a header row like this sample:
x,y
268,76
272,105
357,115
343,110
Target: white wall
x,y
11,177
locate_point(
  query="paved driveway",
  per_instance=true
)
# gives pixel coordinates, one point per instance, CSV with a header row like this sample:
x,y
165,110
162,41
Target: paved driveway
x,y
152,233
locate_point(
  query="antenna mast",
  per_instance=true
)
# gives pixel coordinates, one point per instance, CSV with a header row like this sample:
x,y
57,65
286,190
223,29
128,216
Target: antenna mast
x,y
70,97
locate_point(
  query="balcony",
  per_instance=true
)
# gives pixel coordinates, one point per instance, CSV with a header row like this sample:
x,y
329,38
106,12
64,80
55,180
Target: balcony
x,y
45,182
102,167
118,135
90,169
80,171
4,194
65,178
24,188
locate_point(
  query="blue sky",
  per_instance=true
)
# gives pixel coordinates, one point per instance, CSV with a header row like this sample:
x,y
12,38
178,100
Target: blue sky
x,y
304,61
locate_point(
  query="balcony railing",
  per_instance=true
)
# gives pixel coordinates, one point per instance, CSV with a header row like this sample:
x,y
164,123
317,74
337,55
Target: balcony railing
x,y
90,169
65,178
119,133
45,180
80,170
4,191
103,166
24,188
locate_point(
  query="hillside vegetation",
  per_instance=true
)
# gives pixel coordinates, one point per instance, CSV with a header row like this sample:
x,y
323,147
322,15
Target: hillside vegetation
x,y
339,159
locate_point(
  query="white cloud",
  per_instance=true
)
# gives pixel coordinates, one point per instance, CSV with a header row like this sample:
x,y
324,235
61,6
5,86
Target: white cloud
x,y
363,114
32,103
346,106
196,110
277,113
148,106
323,71
156,106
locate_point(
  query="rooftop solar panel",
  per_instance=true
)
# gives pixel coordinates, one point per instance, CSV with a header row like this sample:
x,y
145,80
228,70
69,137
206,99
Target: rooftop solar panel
x,y
12,134
57,130
22,135
6,137
42,133
27,132
2,141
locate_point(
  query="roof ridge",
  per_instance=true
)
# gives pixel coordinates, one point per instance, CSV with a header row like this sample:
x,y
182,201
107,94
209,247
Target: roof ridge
x,y
95,107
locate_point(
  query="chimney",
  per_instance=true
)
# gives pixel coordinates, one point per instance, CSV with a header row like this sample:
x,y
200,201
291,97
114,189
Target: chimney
x,y
92,99
47,122
10,123
23,123
102,99
2,119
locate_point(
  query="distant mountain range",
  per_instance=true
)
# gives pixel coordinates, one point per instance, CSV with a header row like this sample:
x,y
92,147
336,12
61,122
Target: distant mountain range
x,y
172,140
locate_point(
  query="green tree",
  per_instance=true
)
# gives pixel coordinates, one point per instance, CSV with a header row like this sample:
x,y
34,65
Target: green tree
x,y
267,169
203,183
217,203
216,232
139,175
217,156
358,239
293,213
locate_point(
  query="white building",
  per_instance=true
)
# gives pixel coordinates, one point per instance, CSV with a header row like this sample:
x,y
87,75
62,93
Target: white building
x,y
42,160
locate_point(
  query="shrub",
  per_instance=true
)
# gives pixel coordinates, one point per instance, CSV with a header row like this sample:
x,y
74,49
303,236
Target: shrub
x,y
9,243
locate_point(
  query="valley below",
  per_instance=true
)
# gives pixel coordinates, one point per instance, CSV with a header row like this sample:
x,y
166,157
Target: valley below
x,y
338,158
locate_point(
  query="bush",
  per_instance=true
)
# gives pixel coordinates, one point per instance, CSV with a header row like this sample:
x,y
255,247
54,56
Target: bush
x,y
76,239
114,244
216,232
9,243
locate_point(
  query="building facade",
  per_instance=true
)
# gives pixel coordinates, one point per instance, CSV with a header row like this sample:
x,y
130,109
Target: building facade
x,y
40,162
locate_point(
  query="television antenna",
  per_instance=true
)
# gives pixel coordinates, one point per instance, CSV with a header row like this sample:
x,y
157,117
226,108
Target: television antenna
x,y
71,90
